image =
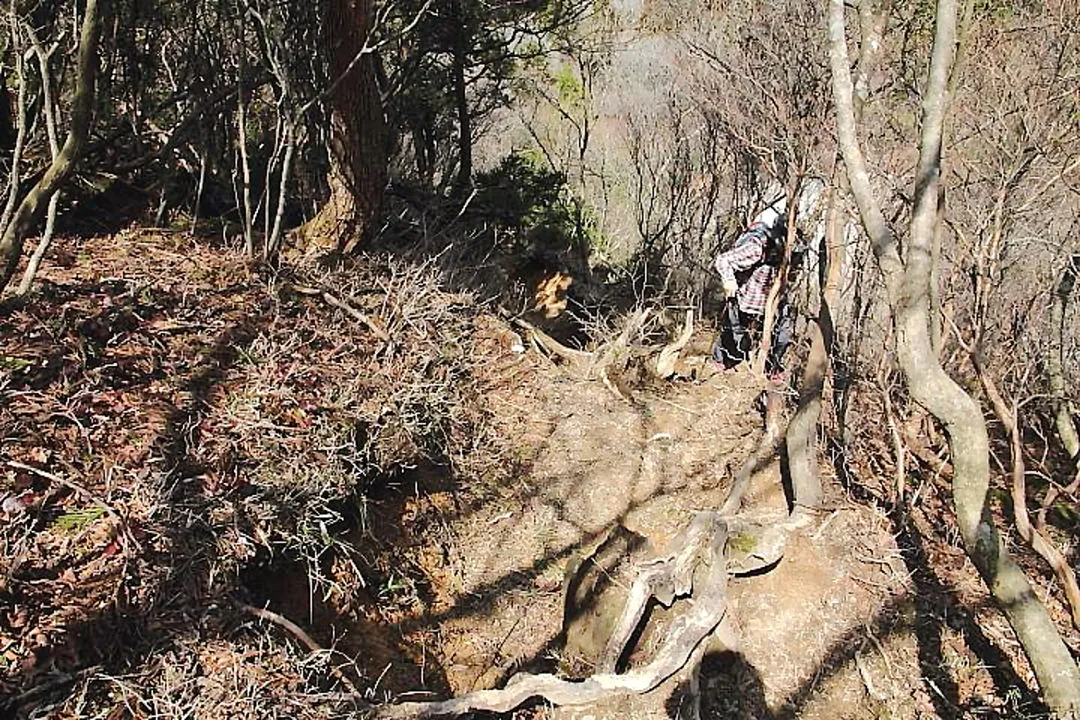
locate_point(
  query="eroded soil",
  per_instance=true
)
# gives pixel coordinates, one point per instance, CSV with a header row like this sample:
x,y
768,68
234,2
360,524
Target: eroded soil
x,y
815,630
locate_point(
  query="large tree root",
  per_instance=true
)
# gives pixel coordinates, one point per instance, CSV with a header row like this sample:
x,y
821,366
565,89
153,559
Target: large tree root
x,y
693,564
764,451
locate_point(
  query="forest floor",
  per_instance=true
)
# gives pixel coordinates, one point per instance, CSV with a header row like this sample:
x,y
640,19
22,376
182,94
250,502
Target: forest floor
x,y
187,441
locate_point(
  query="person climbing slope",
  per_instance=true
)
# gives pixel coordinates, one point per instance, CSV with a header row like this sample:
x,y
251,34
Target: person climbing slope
x,y
747,272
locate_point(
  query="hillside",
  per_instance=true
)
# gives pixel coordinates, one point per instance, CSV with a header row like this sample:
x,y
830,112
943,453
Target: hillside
x,y
226,496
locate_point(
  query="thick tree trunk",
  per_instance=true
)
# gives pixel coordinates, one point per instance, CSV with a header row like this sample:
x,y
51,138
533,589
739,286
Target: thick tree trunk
x,y
28,214
907,283
801,438
358,133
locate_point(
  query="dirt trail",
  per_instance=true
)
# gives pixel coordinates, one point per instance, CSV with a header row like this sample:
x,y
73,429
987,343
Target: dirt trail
x,y
647,465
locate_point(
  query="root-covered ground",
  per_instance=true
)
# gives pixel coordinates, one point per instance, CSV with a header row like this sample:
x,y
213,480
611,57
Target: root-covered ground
x,y
233,494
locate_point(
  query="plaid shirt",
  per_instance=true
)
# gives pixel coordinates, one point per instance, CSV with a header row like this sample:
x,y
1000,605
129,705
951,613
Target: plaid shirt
x,y
747,255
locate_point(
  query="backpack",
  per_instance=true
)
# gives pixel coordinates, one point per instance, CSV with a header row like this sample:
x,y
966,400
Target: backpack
x,y
772,239
774,247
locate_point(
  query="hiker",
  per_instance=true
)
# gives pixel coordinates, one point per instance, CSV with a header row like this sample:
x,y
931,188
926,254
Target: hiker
x,y
747,272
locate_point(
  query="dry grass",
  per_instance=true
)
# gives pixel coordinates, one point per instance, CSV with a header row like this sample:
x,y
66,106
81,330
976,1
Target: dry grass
x,y
216,422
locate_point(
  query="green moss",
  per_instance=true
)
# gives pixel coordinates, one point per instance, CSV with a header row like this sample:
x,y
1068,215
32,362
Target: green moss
x,y
76,520
742,543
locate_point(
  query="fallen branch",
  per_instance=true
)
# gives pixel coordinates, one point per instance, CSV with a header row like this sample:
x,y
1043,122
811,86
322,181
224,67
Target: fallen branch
x,y
71,485
549,344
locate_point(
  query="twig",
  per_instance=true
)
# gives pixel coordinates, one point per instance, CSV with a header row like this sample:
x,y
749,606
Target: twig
x,y
677,406
299,634
335,301
898,448
69,484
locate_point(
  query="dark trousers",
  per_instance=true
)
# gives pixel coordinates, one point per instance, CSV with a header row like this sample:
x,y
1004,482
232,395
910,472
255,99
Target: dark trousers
x,y
741,333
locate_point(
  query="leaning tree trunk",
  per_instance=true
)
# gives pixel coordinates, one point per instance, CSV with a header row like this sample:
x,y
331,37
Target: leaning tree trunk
x,y
908,287
801,437
1063,417
358,134
28,214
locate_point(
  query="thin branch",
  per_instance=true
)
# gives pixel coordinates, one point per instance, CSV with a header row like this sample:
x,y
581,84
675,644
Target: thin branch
x,y
298,632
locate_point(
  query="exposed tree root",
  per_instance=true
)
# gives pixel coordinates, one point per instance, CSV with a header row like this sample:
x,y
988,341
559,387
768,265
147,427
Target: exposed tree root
x,y
694,563
669,355
775,428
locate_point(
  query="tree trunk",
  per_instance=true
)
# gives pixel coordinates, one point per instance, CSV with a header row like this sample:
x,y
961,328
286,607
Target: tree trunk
x,y
1040,543
28,215
7,119
801,437
358,133
908,285
1066,428
459,47
48,107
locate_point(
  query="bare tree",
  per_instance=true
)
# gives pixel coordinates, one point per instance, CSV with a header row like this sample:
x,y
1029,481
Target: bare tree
x,y
907,281
29,211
